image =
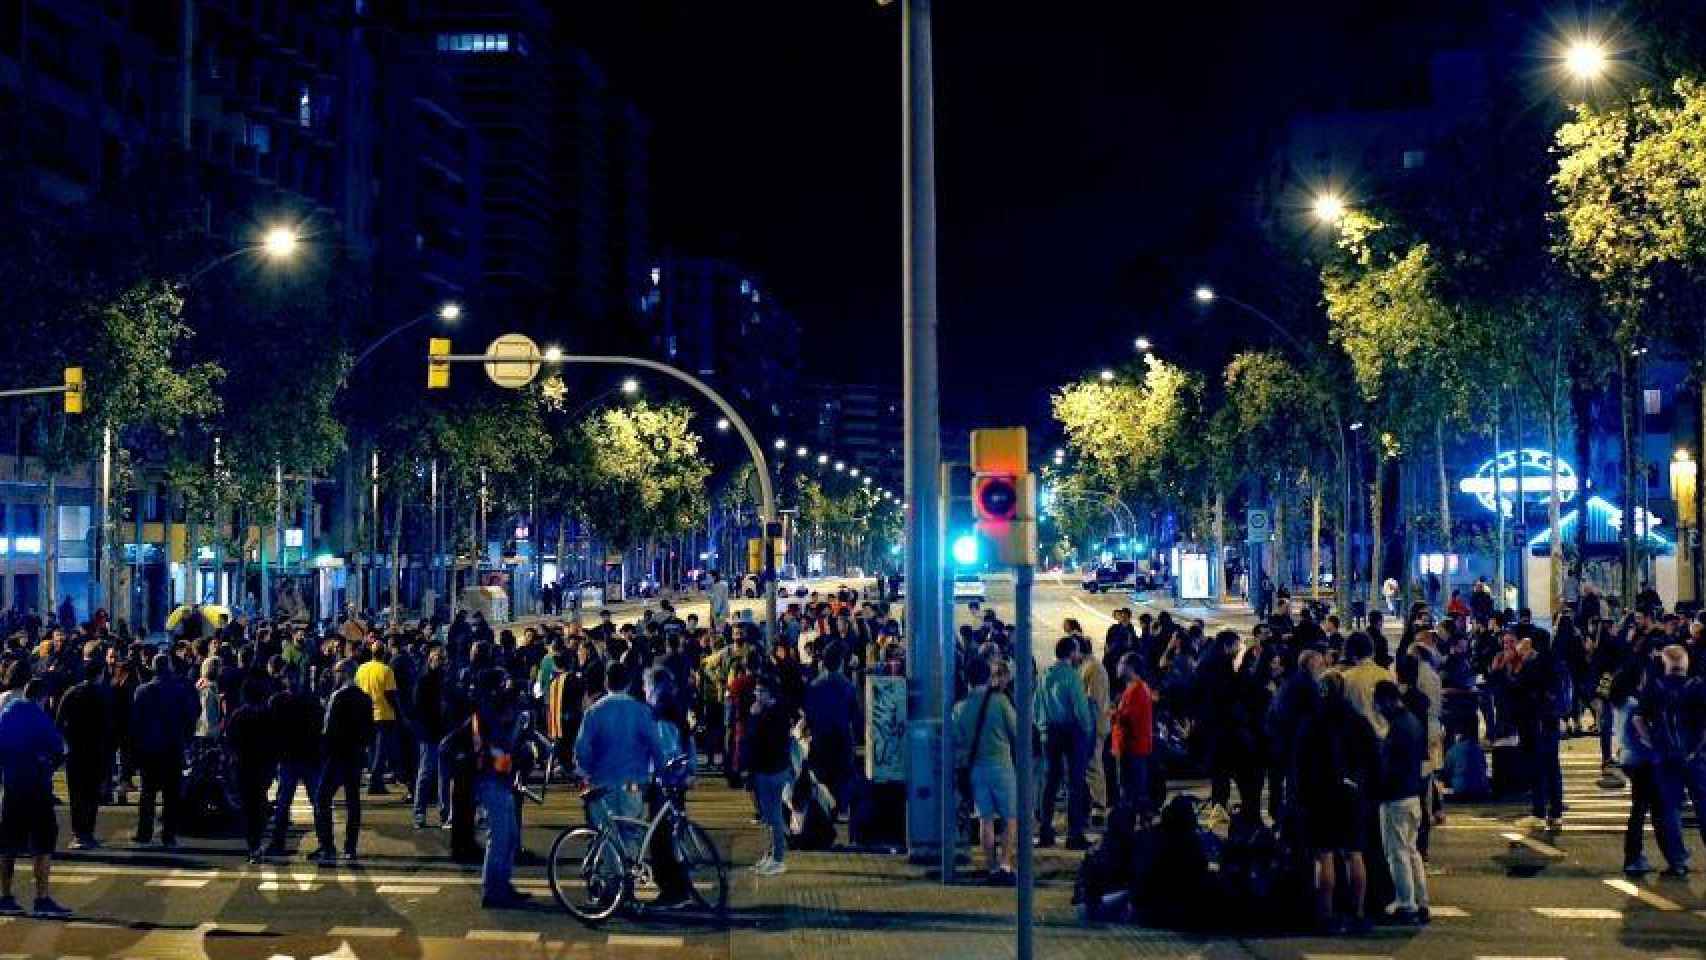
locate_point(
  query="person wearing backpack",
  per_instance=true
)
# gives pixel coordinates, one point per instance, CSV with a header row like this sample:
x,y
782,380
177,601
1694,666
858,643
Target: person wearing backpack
x,y
1335,777
1667,719
985,729
1639,760
1542,692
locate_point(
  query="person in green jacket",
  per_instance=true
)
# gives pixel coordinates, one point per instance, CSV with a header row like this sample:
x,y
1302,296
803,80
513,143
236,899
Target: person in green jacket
x,y
986,721
1063,713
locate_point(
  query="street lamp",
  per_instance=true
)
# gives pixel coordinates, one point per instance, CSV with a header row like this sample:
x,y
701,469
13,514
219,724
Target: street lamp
x,y
822,459
553,354
780,444
447,312
630,386
451,311
801,452
1329,207
279,242
723,425
1107,375
840,466
1143,344
1205,294
1586,60
853,472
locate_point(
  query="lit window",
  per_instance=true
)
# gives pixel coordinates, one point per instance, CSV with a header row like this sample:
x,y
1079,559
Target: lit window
x,y
657,275
305,109
260,138
1652,402
745,287
1415,159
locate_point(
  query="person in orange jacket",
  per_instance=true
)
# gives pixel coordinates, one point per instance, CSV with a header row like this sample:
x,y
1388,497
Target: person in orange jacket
x,y
1134,736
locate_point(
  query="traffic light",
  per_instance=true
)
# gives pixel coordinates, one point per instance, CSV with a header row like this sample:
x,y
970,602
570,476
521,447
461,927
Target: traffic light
x,y
438,370
73,389
1003,493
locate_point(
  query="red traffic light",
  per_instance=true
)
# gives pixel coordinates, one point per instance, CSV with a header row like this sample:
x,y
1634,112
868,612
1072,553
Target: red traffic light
x,y
996,500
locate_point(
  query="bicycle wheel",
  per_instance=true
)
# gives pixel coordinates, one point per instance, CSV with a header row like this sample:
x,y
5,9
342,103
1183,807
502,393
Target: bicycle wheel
x,y
706,872
587,874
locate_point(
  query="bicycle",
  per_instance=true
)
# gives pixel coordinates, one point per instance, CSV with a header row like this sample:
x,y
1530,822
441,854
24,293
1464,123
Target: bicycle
x,y
595,870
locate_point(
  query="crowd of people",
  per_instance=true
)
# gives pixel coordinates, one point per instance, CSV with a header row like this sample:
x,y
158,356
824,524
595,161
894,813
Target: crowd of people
x,y
455,716
1348,739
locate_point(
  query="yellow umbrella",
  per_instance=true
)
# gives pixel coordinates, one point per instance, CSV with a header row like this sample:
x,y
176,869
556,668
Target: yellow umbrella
x,y
212,614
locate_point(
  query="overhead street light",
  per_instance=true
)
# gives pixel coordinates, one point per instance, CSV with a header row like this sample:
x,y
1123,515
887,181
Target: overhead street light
x,y
840,466
801,452
1107,375
854,472
279,242
630,386
780,444
1329,207
822,459
1586,59
1143,344
553,354
723,424
1205,294
450,310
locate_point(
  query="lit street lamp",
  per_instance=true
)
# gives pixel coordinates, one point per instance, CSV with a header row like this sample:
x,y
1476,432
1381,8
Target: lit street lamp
x,y
840,466
723,425
1107,376
1329,208
822,459
1143,344
1586,60
279,242
630,386
801,452
780,444
447,312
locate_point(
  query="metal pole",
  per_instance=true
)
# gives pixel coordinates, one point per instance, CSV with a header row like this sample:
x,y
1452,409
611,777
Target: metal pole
x,y
432,538
1024,683
925,708
101,535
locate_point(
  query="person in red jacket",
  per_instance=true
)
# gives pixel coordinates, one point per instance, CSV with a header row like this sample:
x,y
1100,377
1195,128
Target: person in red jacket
x,y
1134,736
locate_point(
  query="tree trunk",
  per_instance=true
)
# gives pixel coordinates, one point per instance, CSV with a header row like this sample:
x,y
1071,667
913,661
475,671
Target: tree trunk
x,y
50,546
1444,503
396,556
1217,568
1502,551
1314,535
1374,537
1407,509
1627,587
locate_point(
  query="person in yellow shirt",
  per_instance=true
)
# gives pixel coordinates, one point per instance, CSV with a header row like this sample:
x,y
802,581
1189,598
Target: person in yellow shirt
x,y
379,682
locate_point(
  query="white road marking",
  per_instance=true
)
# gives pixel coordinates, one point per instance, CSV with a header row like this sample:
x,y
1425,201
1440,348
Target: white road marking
x,y
1092,610
1647,897
178,883
377,932
1483,956
1347,956
1579,913
286,886
227,926
512,936
404,890
92,924
1453,913
643,940
1544,849
323,876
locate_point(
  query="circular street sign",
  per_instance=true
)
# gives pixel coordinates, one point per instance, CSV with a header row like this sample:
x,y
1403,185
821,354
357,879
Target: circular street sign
x,y
515,361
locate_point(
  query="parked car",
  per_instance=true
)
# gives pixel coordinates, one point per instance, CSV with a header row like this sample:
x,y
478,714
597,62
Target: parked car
x,y
1121,574
969,587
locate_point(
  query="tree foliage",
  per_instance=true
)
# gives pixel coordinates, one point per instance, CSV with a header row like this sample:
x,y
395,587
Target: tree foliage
x,y
1139,438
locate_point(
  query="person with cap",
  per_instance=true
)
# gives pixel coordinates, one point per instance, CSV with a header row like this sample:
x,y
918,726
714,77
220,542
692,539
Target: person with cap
x,y
345,740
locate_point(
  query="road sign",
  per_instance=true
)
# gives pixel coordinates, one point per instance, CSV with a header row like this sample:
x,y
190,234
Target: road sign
x,y
1257,526
516,361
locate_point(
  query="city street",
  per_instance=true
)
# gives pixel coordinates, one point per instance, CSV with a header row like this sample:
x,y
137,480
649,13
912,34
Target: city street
x,y
1495,891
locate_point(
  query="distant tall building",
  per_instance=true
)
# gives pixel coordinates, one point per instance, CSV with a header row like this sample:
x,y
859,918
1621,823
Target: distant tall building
x,y
863,424
712,319
498,54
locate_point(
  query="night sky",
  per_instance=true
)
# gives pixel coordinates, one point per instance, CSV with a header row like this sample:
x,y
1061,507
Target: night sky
x,y
1091,158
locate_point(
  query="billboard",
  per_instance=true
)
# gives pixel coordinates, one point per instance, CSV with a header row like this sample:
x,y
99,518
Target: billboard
x,y
1194,581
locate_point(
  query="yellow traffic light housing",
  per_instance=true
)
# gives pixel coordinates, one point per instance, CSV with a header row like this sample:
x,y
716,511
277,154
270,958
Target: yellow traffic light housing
x,y
438,368
1003,493
73,389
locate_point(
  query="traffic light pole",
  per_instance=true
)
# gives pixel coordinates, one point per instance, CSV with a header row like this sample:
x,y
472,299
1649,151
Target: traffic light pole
x,y
926,656
1024,684
766,494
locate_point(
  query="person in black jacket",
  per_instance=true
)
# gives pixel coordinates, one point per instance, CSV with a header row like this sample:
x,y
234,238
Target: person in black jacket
x,y
1335,778
1540,698
298,718
1399,793
348,731
250,740
85,720
162,718
431,723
